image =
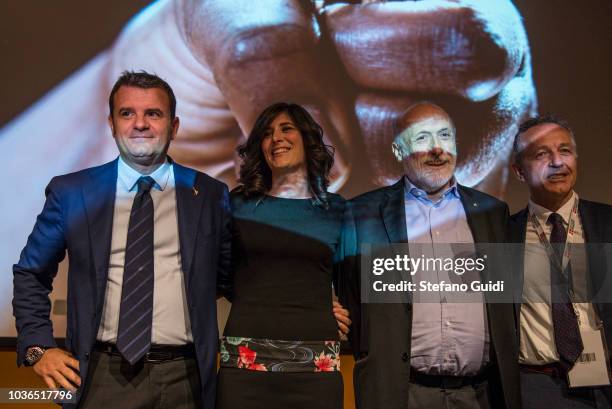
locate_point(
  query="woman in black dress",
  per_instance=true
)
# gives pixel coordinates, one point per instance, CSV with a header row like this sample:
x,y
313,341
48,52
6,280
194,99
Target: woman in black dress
x,y
281,348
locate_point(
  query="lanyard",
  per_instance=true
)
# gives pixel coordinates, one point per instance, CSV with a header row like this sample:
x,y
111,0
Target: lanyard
x,y
546,243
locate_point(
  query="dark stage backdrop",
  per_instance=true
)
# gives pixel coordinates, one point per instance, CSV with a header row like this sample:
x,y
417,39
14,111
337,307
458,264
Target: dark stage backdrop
x,y
489,63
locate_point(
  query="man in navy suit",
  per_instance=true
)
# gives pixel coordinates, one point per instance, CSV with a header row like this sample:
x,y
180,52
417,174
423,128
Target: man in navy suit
x,y
148,244
565,289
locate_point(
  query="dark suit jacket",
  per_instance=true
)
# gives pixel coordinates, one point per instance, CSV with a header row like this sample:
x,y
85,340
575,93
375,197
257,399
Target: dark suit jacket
x,y
77,217
381,333
596,221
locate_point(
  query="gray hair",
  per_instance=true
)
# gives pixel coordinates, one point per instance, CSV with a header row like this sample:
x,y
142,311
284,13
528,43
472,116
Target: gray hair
x,y
533,122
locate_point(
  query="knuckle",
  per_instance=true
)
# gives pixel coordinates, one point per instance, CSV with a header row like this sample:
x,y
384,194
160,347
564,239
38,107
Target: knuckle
x,y
247,45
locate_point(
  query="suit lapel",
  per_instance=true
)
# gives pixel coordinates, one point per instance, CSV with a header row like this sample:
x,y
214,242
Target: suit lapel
x,y
589,224
394,215
518,234
99,200
476,217
189,198
594,249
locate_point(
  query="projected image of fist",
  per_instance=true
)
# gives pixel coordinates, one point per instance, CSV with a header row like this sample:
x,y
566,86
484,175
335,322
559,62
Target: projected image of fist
x,y
357,66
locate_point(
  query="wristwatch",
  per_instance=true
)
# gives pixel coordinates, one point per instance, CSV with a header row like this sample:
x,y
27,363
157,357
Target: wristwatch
x,y
33,354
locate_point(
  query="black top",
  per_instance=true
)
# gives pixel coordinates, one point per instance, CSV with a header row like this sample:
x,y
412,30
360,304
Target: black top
x,y
284,253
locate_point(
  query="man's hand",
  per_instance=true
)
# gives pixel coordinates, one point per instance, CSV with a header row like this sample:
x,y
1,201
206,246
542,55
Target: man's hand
x,y
342,318
58,369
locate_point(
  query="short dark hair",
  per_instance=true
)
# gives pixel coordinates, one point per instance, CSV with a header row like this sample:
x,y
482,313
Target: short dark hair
x,y
255,175
142,79
533,122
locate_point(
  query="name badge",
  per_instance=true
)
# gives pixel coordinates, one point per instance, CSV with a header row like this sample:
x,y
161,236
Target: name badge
x,y
591,368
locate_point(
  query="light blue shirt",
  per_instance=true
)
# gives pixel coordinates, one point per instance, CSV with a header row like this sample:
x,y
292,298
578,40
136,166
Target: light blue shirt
x,y
128,176
448,338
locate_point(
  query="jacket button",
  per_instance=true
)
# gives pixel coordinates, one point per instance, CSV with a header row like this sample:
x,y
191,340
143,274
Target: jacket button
x,y
405,357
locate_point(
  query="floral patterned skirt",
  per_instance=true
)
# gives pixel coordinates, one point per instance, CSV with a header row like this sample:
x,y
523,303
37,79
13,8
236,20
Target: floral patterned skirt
x,y
266,374
273,355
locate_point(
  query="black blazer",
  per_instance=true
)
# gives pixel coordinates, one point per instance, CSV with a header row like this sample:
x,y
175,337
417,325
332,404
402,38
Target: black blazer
x,y
77,217
381,333
596,221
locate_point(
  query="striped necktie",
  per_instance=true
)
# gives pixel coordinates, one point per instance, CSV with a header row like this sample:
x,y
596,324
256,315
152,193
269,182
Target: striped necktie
x,y
136,313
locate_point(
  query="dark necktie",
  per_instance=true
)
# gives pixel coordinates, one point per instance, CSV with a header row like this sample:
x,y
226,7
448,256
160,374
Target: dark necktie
x,y
565,324
136,313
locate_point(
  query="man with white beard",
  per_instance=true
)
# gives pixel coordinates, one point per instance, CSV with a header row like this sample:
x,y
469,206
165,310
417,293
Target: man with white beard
x,y
434,354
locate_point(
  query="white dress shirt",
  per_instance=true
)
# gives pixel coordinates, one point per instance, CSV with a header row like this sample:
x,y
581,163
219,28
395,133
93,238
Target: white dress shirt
x,y
536,328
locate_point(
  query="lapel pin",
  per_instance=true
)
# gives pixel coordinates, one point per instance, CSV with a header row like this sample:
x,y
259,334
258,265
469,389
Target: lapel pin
x,y
195,191
475,204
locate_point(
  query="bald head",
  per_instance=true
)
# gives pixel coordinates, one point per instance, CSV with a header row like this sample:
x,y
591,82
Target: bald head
x,y
424,127
425,145
420,111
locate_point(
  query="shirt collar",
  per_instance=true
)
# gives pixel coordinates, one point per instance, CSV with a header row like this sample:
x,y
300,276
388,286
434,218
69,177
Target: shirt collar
x,y
128,176
411,192
543,213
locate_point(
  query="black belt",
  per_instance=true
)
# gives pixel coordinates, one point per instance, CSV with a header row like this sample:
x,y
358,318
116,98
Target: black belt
x,y
157,353
553,369
447,381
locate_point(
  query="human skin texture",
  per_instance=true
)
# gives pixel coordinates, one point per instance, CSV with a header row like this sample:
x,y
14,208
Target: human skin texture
x,y
358,66
427,148
548,164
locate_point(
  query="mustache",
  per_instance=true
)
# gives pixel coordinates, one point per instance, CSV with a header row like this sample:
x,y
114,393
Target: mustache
x,y
558,173
433,159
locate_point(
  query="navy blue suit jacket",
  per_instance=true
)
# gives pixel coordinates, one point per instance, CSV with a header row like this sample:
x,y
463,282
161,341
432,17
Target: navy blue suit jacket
x,y
77,218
